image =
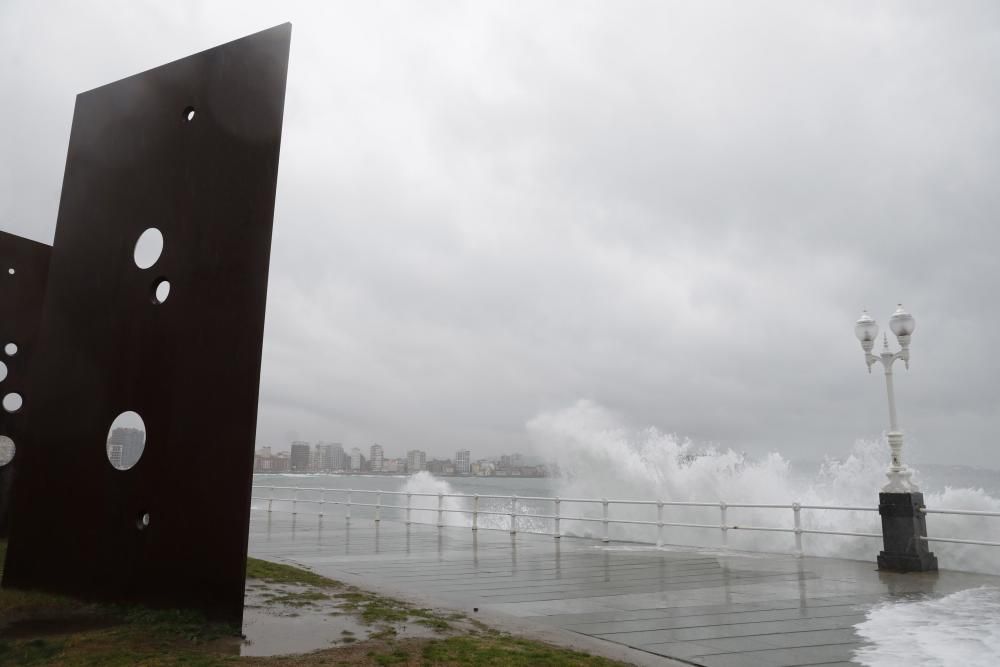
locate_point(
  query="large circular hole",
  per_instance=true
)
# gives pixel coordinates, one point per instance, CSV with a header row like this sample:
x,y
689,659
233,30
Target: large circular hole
x,y
142,523
7,450
11,271
161,290
148,248
189,114
12,402
3,371
10,349
126,440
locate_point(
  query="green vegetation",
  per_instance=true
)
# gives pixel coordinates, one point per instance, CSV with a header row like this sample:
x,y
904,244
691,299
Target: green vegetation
x,y
296,598
41,629
278,573
506,651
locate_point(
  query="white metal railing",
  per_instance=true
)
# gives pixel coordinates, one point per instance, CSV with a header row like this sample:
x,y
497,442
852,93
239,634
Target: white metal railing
x,y
346,498
956,540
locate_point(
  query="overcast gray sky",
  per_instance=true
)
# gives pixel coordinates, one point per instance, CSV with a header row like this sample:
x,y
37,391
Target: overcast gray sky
x,y
489,211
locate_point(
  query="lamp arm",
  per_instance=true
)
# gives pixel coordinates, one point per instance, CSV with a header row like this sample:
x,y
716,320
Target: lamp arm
x,y
871,359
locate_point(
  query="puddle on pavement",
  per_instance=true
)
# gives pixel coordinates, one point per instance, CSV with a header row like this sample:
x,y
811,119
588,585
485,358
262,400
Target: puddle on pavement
x,y
271,627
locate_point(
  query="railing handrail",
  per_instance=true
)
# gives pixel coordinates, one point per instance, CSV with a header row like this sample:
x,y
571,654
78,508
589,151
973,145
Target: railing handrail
x,y
610,501
605,519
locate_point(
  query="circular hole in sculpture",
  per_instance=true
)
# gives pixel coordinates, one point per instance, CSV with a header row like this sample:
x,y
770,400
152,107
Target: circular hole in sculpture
x,y
10,349
12,402
11,271
189,114
148,248
3,371
161,290
143,521
7,450
126,440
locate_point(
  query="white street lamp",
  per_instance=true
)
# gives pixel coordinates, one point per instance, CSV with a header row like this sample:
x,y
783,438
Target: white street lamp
x,y
902,325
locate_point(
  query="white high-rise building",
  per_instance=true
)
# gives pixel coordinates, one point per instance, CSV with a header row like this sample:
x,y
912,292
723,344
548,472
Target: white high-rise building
x,y
376,460
338,459
125,447
322,458
416,460
462,465
355,459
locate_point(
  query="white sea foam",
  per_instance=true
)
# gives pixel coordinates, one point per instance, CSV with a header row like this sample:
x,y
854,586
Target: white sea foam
x,y
602,458
959,629
425,507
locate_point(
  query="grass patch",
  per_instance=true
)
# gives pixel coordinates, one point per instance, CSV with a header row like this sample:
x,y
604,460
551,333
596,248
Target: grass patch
x,y
377,609
30,652
278,573
506,652
400,656
296,598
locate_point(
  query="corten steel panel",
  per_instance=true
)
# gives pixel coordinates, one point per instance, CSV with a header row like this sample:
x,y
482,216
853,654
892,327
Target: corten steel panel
x,y
189,366
24,266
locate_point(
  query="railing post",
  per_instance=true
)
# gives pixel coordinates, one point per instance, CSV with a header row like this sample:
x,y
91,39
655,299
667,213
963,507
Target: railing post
x,y
797,509
475,512
724,525
604,503
322,501
659,523
378,506
348,506
270,498
513,515
295,500
557,534
440,512
409,505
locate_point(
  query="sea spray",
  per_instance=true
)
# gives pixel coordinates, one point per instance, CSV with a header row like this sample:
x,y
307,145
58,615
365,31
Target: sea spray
x,y
494,512
600,457
958,629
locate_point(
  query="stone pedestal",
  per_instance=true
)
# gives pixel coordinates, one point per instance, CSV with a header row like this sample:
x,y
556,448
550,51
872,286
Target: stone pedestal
x,y
903,524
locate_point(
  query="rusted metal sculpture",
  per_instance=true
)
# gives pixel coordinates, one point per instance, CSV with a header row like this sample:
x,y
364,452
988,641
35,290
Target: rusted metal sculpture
x,y
190,149
24,267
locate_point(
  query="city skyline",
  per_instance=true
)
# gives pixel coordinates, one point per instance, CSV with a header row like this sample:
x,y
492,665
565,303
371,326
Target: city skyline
x,y
335,458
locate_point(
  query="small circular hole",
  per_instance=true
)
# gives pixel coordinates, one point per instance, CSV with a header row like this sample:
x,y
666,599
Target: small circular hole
x,y
11,271
148,248
126,440
161,290
143,521
189,114
3,371
7,450
12,402
10,349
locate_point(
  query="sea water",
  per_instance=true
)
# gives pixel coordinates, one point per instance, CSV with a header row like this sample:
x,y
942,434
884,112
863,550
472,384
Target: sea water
x,y
958,629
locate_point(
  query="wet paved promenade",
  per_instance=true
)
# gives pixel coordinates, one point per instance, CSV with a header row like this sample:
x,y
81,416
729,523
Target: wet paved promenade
x,y
705,608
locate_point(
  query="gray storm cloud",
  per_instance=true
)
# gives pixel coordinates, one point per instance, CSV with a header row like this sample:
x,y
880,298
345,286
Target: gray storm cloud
x,y
489,211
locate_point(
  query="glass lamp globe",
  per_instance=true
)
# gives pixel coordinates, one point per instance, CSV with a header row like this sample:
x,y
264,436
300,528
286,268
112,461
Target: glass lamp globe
x,y
865,328
901,322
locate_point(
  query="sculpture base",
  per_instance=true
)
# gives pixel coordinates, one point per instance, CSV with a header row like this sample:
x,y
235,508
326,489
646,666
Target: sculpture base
x,y
903,524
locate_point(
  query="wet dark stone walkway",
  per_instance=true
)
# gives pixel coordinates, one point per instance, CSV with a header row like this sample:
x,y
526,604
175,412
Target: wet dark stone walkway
x,y
700,607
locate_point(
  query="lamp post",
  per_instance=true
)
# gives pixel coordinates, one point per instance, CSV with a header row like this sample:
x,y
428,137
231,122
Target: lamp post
x,y
902,325
901,505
